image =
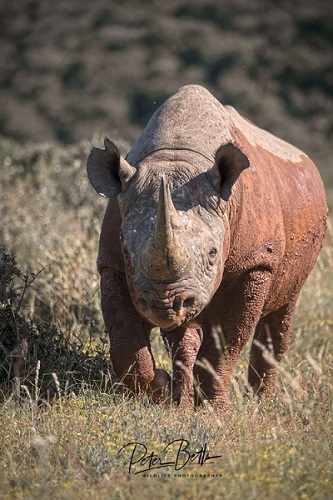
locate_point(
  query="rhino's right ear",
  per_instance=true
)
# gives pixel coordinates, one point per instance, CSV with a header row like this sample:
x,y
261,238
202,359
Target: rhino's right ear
x,y
107,171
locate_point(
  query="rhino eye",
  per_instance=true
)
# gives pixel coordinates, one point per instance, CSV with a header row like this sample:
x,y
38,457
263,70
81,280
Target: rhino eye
x,y
212,255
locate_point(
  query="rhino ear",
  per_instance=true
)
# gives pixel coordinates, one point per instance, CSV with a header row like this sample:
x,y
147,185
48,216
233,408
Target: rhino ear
x,y
107,171
230,162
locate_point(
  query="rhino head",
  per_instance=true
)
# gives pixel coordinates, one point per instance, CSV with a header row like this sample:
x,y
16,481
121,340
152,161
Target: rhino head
x,y
175,232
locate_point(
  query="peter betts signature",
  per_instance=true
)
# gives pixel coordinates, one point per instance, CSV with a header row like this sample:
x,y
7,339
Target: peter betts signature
x,y
176,454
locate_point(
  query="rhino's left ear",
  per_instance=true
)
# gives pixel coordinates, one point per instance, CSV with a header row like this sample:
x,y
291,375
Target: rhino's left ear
x,y
230,162
107,171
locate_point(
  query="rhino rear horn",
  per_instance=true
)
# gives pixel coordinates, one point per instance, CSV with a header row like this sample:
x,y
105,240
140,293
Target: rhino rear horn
x,y
166,216
107,171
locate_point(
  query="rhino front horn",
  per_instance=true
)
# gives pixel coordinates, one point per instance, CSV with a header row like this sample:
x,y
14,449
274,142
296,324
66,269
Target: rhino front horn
x,y
166,257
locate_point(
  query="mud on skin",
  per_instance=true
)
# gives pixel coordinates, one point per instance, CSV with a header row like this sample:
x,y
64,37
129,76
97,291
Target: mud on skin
x,y
208,223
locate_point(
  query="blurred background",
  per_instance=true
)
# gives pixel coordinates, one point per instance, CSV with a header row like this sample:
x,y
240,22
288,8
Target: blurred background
x,y
73,68
72,71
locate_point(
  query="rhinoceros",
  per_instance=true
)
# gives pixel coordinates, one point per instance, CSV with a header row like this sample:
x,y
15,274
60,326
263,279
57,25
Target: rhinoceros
x,y
212,227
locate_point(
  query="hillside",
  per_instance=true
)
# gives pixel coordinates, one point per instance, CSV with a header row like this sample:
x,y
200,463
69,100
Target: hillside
x,y
73,68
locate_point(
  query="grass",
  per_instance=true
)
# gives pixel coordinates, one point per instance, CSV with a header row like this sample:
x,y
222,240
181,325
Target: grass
x,y
63,418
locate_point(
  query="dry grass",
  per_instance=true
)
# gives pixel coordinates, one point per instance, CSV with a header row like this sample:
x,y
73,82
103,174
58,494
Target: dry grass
x,y
63,420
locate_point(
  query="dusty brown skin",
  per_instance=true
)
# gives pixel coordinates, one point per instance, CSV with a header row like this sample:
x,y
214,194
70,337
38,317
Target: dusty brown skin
x,y
212,222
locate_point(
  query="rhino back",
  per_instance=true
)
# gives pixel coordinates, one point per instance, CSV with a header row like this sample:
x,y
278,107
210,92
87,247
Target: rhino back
x,y
278,212
192,119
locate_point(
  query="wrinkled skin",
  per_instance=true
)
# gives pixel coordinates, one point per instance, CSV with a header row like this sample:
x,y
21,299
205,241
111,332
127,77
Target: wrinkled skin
x,y
213,225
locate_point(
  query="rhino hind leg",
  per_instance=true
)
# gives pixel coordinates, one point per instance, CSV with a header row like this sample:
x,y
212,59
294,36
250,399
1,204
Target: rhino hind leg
x,y
271,340
129,334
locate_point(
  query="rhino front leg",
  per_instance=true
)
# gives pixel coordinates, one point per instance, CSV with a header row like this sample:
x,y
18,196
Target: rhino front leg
x,y
271,340
235,317
183,345
129,334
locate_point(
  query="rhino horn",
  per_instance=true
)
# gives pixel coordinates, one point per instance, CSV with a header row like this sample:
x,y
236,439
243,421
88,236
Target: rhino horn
x,y
166,217
166,256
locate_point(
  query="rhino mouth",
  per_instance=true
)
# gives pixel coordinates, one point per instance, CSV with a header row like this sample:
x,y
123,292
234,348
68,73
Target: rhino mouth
x,y
169,312
168,323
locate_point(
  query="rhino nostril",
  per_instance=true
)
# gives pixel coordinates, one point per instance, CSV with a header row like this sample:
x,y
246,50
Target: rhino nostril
x,y
188,303
143,305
